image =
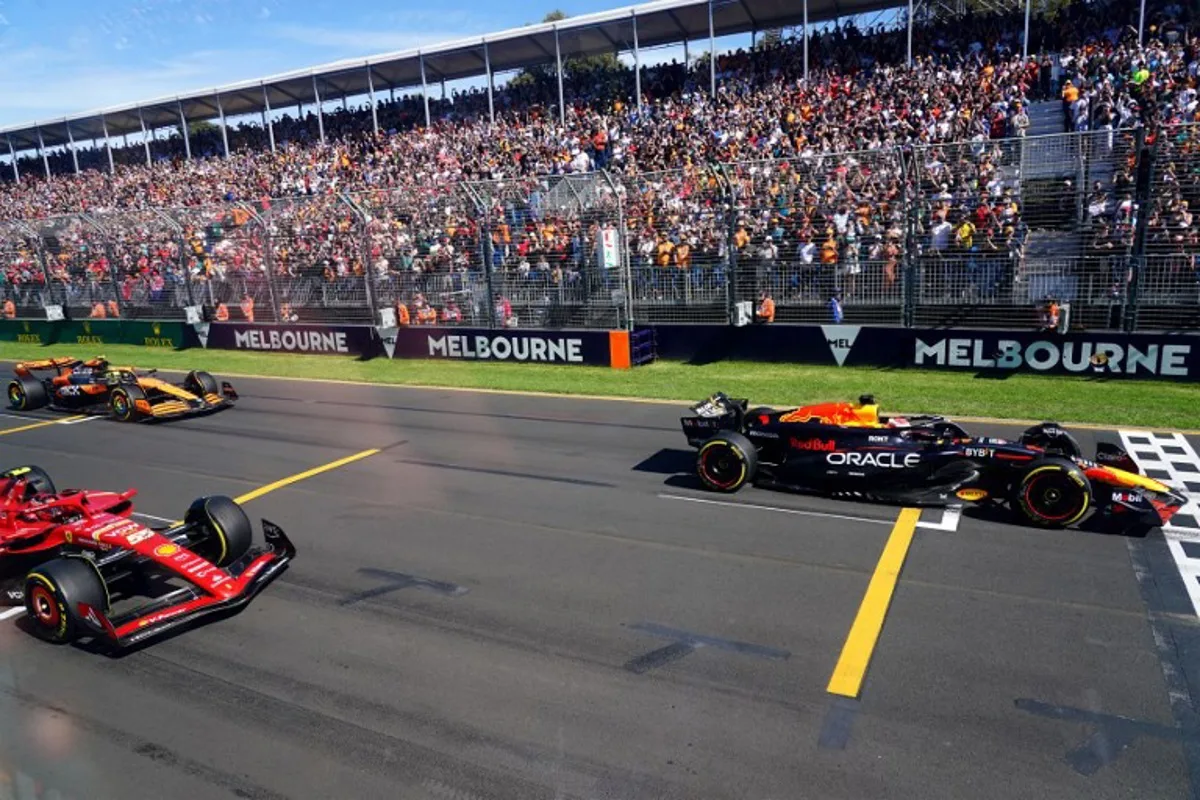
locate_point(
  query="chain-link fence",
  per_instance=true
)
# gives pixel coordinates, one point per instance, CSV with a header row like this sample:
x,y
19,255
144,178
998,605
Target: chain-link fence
x,y
979,233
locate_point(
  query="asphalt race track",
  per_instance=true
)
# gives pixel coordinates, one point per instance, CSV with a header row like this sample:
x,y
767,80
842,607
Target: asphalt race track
x,y
523,597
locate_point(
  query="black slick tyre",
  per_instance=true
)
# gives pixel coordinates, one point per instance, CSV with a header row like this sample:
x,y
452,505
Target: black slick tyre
x,y
1052,493
726,462
122,402
53,592
27,394
227,529
37,480
201,383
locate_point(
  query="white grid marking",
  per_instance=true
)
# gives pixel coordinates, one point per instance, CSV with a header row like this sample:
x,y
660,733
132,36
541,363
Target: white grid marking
x,y
1169,457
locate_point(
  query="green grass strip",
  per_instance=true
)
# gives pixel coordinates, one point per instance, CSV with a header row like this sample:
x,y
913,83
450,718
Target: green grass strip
x,y
1129,403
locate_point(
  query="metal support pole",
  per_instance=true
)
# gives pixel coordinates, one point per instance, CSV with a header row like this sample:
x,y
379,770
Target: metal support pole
x,y
910,31
637,63
806,43
267,123
145,136
71,141
12,153
1025,38
224,127
320,113
1141,23
712,51
107,144
42,152
371,95
487,65
687,58
183,127
424,86
562,106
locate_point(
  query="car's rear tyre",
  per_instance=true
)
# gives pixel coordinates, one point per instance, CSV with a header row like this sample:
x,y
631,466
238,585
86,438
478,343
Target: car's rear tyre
x,y
229,533
53,592
37,480
201,383
727,462
27,394
1052,493
122,402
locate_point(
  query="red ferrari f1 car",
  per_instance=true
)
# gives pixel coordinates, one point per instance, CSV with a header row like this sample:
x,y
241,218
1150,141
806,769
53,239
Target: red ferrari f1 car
x,y
83,568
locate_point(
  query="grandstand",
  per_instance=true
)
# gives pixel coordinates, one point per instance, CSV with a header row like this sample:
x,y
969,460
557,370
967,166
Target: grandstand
x,y
922,174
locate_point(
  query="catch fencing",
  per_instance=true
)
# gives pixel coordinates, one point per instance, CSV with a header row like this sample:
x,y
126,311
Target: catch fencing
x,y
971,234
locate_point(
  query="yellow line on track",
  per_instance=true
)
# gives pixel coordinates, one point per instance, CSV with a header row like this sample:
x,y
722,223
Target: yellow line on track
x,y
851,667
279,484
41,424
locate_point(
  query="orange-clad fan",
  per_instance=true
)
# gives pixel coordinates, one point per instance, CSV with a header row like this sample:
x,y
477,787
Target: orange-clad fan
x,y
402,317
10,309
766,308
98,311
222,313
113,309
426,314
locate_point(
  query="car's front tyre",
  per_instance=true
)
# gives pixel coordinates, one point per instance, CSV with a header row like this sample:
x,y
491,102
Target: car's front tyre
x,y
1052,493
53,592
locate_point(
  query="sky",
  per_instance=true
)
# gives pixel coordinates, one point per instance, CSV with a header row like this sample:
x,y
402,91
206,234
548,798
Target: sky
x,y
63,57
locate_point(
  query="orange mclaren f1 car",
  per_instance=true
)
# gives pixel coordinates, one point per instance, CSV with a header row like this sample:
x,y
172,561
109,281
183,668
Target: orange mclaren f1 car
x,y
127,394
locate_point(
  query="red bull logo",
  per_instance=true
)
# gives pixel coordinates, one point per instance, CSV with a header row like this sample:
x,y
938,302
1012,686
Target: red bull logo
x,y
816,445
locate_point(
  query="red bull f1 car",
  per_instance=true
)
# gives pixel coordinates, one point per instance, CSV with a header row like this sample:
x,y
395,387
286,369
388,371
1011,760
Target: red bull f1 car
x,y
126,394
848,450
83,568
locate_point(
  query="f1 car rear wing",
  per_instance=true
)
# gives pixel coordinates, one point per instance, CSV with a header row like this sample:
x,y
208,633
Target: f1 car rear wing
x,y
717,413
250,575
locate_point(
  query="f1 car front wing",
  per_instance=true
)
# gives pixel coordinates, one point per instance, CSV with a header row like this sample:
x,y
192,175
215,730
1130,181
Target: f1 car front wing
x,y
251,575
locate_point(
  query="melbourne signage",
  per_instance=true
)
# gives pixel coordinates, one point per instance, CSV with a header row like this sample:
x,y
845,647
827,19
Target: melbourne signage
x,y
1165,356
474,344
319,339
1160,356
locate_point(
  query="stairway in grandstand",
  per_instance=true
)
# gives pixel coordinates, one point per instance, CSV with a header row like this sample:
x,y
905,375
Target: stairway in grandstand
x,y
1056,173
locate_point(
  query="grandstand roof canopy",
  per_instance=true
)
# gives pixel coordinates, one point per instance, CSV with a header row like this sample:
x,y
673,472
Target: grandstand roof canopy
x,y
664,22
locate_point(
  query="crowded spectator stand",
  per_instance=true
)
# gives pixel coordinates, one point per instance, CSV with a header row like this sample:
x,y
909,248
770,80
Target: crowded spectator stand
x,y
910,188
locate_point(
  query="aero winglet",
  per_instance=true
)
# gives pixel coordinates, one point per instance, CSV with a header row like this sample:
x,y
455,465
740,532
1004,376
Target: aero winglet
x,y
98,620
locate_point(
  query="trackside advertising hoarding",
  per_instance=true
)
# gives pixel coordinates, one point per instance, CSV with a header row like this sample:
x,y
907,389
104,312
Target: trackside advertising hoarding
x,y
337,340
1164,356
590,348
98,332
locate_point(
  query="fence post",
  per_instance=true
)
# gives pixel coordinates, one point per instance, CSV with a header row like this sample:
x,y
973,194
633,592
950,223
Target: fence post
x,y
365,243
909,287
1143,183
487,250
625,263
731,279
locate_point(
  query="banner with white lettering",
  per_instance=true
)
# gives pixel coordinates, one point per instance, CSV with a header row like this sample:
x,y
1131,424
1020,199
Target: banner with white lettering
x,y
589,348
1149,356
1169,356
339,340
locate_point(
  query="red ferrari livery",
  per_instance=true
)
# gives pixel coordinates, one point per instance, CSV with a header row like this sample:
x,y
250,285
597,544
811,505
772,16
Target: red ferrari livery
x,y
84,568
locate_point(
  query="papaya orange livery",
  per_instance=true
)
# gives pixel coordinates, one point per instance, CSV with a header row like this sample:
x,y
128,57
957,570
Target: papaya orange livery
x,y
124,393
